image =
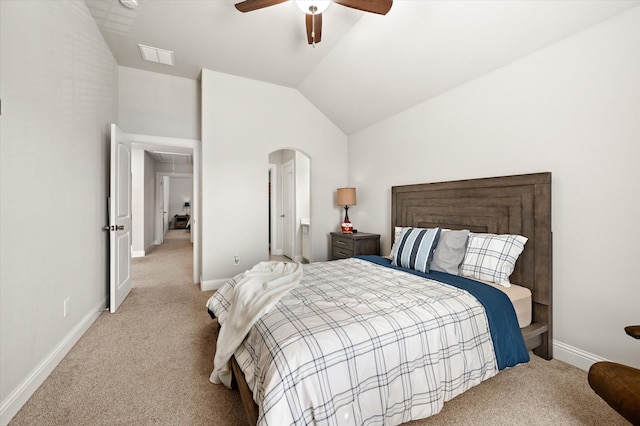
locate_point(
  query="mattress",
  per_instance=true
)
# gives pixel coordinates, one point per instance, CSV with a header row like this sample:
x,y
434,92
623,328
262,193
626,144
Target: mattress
x,y
520,298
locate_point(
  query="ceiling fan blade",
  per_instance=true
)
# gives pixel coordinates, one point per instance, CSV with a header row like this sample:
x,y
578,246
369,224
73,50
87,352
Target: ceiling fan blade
x,y
314,28
249,5
380,7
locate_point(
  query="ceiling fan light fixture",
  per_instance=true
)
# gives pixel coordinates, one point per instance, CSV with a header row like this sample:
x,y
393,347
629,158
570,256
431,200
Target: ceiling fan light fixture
x,y
313,7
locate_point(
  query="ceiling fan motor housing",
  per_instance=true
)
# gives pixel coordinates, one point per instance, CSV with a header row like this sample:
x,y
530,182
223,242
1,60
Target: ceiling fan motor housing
x,y
129,4
312,7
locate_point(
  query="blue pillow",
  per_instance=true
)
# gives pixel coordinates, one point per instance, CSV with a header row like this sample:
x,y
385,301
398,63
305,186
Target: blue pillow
x,y
415,248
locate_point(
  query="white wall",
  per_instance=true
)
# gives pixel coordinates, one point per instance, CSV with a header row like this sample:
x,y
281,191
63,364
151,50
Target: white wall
x,y
572,109
143,196
58,91
158,104
243,121
137,202
149,201
180,192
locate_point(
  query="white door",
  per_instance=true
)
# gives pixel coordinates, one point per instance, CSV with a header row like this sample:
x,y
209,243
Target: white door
x,y
288,202
120,218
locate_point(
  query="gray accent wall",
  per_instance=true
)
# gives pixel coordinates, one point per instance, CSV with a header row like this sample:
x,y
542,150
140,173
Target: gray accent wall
x,y
59,96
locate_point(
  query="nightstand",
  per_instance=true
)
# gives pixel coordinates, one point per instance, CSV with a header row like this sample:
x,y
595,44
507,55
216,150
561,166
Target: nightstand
x,y
359,243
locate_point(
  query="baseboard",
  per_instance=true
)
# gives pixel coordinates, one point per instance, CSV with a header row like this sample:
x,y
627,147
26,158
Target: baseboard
x,y
574,356
12,404
208,285
143,253
138,253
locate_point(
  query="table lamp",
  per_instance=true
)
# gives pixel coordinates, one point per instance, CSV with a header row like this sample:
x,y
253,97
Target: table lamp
x,y
346,197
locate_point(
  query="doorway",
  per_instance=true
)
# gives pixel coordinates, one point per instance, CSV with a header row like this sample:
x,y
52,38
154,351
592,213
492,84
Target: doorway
x,y
177,150
290,205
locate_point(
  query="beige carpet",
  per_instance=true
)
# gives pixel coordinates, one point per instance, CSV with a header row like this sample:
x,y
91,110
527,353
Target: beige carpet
x,y
149,364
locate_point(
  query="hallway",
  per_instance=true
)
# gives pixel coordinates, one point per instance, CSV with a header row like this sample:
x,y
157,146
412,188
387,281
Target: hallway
x,y
167,264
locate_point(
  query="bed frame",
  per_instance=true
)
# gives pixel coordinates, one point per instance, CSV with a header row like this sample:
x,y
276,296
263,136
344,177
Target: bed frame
x,y
503,205
518,204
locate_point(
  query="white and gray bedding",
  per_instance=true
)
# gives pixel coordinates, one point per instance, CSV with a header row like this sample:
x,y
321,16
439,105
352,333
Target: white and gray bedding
x,y
361,343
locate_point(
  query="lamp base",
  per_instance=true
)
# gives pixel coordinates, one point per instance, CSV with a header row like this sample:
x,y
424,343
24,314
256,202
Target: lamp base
x,y
347,227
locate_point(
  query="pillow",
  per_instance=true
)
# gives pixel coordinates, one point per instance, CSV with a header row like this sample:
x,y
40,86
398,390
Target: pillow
x,y
450,251
492,257
415,248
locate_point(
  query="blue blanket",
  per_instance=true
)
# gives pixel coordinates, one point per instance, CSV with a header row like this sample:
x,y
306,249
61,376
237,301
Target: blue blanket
x,y
508,342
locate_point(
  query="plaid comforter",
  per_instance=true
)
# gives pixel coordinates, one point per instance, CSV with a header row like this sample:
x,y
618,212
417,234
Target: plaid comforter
x,y
358,343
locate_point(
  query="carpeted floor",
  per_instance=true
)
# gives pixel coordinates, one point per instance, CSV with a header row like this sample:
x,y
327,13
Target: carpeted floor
x,y
149,364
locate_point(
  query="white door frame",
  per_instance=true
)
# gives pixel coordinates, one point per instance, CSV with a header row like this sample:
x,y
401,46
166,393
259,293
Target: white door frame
x,y
289,217
276,229
143,141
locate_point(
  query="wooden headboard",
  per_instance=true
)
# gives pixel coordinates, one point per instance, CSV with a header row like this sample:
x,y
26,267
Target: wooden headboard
x,y
518,204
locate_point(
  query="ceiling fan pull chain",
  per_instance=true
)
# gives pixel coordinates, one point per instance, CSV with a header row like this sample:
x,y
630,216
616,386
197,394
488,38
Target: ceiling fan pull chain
x,y
313,10
313,31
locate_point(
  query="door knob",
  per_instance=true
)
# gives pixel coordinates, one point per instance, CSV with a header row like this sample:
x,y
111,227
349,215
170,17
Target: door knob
x,y
106,228
119,227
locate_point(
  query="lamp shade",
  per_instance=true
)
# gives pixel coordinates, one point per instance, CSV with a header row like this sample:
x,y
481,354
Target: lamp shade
x,y
346,196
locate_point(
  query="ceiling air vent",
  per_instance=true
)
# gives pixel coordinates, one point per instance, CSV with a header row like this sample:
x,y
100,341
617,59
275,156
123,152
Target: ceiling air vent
x,y
153,54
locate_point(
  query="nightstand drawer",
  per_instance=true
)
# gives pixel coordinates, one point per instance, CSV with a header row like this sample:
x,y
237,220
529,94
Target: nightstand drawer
x,y
348,245
340,253
342,243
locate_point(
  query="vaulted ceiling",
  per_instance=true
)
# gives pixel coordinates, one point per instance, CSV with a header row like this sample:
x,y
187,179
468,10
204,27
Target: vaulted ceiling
x,y
367,67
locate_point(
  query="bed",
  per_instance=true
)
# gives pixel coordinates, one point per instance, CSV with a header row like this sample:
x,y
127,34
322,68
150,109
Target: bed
x,y
351,369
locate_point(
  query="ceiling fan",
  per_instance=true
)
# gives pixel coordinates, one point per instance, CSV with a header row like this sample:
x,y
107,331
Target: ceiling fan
x,y
314,9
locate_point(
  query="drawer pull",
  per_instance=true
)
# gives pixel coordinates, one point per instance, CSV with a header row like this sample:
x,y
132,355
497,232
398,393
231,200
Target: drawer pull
x,y
340,242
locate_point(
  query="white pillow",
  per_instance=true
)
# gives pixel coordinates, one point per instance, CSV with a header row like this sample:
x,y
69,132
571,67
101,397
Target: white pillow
x,y
492,257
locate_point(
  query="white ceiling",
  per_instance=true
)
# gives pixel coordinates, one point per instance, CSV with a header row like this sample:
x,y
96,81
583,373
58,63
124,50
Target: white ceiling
x,y
368,67
170,157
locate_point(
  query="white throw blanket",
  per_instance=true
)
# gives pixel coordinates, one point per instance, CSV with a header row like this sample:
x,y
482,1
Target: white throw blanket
x,y
255,292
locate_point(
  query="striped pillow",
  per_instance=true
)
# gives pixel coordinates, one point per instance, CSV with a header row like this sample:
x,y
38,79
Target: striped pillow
x,y
414,249
492,257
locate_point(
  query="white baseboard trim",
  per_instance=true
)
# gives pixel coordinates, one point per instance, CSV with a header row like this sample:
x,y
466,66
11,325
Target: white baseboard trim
x,y
207,285
574,356
12,404
138,253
